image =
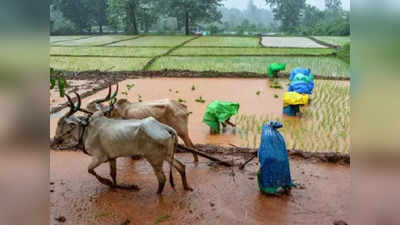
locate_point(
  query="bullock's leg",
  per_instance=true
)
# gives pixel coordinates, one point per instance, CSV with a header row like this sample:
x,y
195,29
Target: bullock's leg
x,y
157,167
113,170
181,169
113,173
95,163
190,144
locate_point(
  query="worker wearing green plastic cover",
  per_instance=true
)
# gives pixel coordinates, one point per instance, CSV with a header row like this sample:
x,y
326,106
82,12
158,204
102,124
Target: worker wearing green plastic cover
x,y
220,112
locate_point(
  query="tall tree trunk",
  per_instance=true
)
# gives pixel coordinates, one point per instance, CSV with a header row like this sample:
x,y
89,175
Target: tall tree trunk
x,y
101,29
187,23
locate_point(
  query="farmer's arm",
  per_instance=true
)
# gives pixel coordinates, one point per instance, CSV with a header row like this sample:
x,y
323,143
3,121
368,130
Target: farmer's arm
x,y
230,123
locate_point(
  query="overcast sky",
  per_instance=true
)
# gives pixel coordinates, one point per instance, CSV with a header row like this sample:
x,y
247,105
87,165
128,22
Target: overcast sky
x,y
242,4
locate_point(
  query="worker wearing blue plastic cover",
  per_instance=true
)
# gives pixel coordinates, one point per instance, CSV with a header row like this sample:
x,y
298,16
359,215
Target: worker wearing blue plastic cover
x,y
274,174
305,71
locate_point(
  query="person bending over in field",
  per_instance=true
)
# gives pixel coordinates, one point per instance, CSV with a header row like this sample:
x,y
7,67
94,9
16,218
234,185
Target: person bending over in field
x,y
220,112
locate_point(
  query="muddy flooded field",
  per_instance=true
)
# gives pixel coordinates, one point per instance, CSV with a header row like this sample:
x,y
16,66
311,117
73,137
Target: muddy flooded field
x,y
188,90
327,116
221,195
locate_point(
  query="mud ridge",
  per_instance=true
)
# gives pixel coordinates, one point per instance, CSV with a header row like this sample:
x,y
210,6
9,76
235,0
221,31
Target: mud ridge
x,y
326,157
324,43
330,157
95,74
149,63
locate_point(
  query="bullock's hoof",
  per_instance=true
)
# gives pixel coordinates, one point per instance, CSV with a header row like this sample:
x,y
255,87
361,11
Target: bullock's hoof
x,y
133,187
188,188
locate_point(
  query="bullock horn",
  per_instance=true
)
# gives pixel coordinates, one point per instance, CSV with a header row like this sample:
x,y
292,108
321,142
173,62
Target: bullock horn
x,y
71,105
106,98
115,93
78,106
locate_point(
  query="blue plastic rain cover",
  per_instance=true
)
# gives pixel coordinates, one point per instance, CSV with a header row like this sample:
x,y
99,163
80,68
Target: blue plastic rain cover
x,y
291,110
273,157
301,87
299,70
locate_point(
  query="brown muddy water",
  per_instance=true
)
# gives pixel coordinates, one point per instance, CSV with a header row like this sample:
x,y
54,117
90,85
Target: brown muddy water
x,y
239,90
221,195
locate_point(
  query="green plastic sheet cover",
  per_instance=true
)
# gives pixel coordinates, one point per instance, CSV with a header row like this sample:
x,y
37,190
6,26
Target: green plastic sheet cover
x,y
273,68
218,112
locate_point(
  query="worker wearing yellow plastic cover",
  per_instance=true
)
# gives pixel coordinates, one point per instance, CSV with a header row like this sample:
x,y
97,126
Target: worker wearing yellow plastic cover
x,y
220,112
294,98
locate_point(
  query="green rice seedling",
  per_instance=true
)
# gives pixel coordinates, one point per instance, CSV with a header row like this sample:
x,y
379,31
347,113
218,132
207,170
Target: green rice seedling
x,y
275,84
258,92
124,93
193,87
177,91
200,100
276,96
181,100
130,86
170,90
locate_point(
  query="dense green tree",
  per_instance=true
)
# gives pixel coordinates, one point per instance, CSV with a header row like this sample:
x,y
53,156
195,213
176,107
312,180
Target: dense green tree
x,y
98,12
191,11
288,12
130,15
77,11
333,6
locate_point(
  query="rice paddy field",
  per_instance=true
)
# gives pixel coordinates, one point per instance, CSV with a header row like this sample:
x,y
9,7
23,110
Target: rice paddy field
x,y
324,125
292,42
95,40
338,41
98,63
206,53
320,65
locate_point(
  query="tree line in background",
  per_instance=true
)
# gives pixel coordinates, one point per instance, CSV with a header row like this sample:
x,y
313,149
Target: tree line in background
x,y
188,16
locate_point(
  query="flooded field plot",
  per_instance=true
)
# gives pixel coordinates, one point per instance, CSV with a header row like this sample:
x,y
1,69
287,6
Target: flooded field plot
x,y
107,51
294,42
97,63
208,41
54,39
324,126
154,41
251,51
338,41
325,66
95,40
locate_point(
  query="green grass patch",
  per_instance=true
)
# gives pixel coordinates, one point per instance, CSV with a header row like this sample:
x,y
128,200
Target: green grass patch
x,y
95,40
334,40
328,66
95,63
252,51
64,38
155,41
225,42
108,51
344,52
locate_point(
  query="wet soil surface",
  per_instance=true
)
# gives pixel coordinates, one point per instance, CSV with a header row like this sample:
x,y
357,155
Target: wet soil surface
x,y
221,195
243,91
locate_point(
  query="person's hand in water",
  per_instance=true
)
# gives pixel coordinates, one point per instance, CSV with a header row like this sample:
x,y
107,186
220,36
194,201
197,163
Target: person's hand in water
x,y
230,123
